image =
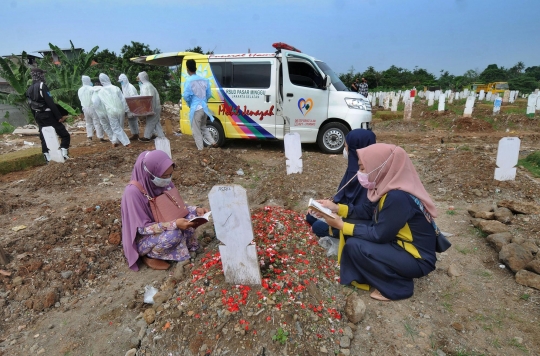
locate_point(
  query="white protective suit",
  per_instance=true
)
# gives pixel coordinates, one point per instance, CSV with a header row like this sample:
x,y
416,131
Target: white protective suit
x,y
115,105
92,120
129,90
101,112
152,122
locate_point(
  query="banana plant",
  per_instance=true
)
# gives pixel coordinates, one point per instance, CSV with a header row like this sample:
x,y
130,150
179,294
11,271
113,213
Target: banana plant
x,y
64,79
18,76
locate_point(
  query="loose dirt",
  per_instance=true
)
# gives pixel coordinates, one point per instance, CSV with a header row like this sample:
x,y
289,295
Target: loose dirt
x,y
70,292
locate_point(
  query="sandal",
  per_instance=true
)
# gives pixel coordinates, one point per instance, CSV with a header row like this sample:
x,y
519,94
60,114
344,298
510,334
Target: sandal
x,y
378,296
155,263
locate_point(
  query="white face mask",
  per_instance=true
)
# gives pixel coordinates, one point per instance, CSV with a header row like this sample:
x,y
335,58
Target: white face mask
x,y
345,153
159,182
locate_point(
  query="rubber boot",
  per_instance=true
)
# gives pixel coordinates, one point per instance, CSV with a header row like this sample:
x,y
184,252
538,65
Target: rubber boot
x,y
47,157
64,152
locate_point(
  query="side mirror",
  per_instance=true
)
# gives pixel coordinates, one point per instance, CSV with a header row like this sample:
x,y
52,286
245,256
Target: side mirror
x,y
327,81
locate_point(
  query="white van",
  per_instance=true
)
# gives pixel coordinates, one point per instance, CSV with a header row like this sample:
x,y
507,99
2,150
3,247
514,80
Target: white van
x,y
267,95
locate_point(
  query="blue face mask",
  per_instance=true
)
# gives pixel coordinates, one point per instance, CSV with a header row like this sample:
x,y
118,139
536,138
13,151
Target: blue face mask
x,y
140,83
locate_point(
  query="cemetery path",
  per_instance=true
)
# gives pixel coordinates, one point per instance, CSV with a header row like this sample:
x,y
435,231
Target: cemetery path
x,y
69,291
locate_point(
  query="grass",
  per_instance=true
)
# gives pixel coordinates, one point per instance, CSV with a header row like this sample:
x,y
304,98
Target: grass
x,y
464,148
448,307
532,163
515,343
525,296
463,250
409,330
484,273
20,160
450,212
477,232
462,352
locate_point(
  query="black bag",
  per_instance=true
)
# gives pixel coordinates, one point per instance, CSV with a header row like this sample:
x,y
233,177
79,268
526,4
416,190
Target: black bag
x,y
33,98
441,243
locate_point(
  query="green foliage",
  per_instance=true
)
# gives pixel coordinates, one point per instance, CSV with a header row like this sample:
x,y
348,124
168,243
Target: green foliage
x,y
5,127
525,83
525,296
532,163
64,79
18,76
281,336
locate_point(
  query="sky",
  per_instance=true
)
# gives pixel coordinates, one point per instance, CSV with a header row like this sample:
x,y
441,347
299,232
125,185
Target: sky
x,y
454,35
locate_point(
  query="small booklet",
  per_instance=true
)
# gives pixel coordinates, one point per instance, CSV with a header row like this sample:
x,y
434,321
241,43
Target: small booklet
x,y
314,205
199,220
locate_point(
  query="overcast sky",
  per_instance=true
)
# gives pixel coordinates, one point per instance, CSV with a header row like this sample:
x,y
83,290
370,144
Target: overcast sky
x,y
454,35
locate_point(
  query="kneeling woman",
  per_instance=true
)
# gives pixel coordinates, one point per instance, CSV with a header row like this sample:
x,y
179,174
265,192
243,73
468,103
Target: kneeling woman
x,y
142,236
397,243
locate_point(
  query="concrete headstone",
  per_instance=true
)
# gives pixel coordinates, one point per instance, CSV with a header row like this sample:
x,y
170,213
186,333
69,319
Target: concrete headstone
x,y
506,96
232,222
482,95
497,105
52,144
163,144
431,97
441,102
531,104
293,152
507,158
407,111
469,104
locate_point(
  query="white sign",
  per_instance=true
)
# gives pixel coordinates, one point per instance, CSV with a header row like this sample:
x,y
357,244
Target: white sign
x,y
507,158
441,102
163,144
293,152
232,222
51,140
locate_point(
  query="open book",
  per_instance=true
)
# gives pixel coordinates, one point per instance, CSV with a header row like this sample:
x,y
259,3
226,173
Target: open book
x,y
199,220
314,205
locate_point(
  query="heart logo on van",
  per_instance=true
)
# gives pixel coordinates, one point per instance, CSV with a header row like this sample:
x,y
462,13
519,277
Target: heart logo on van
x,y
305,105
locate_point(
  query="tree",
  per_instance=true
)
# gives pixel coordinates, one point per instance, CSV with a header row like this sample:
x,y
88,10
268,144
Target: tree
x,y
493,74
198,49
18,76
64,79
524,83
533,72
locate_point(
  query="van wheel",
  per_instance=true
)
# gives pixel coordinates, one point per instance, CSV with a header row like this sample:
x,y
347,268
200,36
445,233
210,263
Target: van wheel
x,y
331,137
216,130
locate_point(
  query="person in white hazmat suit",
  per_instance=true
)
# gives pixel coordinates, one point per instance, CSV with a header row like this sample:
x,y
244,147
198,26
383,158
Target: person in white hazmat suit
x,y
92,120
101,112
153,123
129,90
115,105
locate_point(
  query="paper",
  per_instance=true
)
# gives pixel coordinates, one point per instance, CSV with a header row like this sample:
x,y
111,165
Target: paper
x,y
313,204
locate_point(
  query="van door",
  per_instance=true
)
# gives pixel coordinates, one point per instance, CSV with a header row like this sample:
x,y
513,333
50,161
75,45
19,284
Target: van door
x,y
247,89
305,98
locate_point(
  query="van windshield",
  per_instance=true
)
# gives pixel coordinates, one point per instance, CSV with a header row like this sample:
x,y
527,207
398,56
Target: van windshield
x,y
501,86
338,84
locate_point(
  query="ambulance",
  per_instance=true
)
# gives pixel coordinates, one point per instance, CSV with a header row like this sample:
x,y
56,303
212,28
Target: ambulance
x,y
264,96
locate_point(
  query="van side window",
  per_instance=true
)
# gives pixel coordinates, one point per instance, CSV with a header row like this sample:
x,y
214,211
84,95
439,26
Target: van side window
x,y
303,74
222,73
251,75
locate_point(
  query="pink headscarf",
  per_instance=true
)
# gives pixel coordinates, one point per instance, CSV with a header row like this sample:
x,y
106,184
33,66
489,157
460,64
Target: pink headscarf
x,y
135,207
398,173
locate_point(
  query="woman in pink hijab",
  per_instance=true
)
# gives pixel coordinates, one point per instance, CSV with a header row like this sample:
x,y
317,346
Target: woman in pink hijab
x,y
142,236
394,240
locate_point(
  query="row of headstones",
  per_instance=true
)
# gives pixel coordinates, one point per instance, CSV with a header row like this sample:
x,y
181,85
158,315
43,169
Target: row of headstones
x,y
384,98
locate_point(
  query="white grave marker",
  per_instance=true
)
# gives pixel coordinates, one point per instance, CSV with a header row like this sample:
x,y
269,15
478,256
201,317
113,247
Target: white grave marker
x,y
466,92
506,96
507,158
395,101
488,96
468,107
407,111
52,144
386,102
441,102
163,144
431,97
293,152
232,222
374,100
482,95
497,105
381,99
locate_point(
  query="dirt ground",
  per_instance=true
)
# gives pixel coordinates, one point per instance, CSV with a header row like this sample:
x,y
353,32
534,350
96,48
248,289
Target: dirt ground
x,y
69,291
